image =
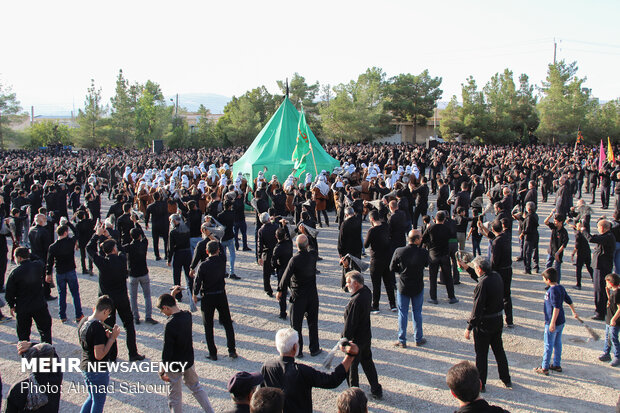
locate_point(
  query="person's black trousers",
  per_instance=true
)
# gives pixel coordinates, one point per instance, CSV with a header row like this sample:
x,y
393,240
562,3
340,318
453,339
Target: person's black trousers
x,y
157,233
506,274
420,211
42,319
380,271
605,196
83,256
267,271
364,357
282,301
3,264
581,261
489,333
600,295
308,306
530,250
446,277
208,305
181,261
123,308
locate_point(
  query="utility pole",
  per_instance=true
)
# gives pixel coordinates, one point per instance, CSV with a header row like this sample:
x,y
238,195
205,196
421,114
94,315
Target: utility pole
x,y
555,47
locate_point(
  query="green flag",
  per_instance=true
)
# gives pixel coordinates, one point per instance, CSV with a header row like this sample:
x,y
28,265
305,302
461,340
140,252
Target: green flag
x,y
302,146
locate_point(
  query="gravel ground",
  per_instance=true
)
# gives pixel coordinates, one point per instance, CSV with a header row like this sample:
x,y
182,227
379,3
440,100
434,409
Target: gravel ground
x,y
413,379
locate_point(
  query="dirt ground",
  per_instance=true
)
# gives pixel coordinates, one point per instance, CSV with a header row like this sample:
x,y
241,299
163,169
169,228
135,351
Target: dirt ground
x,y
413,379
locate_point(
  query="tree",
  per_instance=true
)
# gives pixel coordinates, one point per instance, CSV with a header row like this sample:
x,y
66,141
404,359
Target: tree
x,y
89,119
501,96
565,102
245,116
49,132
123,113
603,121
356,113
9,112
412,98
205,133
524,113
153,117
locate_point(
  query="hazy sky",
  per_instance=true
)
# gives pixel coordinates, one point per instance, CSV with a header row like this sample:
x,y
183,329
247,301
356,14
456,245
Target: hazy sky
x,y
51,49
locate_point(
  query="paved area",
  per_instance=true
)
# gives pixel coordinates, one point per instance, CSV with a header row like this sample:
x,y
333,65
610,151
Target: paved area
x,y
413,379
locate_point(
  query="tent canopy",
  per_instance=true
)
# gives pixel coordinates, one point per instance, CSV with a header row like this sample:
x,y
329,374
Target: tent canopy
x,y
273,148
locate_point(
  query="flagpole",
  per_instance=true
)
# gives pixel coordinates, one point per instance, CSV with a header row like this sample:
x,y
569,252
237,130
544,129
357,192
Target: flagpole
x,y
316,172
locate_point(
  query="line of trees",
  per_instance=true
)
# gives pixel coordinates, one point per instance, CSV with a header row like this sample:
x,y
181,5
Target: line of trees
x,y
362,110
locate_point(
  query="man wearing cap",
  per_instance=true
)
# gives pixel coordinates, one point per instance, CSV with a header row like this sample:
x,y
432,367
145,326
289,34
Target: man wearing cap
x,y
297,380
241,386
179,348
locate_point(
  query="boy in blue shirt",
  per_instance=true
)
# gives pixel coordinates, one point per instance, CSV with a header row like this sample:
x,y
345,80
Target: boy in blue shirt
x,y
555,296
611,321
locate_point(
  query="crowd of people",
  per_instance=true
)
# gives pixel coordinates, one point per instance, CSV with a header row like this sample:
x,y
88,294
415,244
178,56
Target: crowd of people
x,y
51,207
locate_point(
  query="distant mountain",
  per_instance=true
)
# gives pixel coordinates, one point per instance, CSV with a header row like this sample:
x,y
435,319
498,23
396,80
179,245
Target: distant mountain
x,y
191,101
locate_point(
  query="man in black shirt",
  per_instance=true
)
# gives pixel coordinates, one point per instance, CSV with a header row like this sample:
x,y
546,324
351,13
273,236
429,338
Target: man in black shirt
x,y
98,344
530,236
357,329
486,319
421,205
349,240
179,348
158,211
409,262
300,276
378,240
602,262
139,273
210,284
266,243
297,380
437,237
24,295
61,253
240,223
282,254
40,241
501,263
227,219
113,282
557,242
124,224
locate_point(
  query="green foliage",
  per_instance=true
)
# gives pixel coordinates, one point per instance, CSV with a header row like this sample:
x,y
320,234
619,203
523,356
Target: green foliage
x,y
49,132
9,113
245,116
412,98
565,103
357,112
153,117
498,114
90,134
603,121
123,116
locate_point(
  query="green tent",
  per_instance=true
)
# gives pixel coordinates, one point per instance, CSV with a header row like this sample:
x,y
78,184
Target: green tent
x,y
273,148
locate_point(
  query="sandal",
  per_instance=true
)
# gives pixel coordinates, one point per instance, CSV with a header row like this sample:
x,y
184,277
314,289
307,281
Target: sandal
x,y
540,370
555,368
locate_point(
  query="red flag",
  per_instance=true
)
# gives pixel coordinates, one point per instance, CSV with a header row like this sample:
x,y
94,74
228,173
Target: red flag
x,y
602,157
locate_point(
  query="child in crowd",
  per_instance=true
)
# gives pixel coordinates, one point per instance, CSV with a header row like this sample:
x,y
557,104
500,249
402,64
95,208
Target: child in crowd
x,y
555,296
612,282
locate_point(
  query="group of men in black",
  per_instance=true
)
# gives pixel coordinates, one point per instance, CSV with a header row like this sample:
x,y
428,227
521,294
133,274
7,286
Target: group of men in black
x,y
372,185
